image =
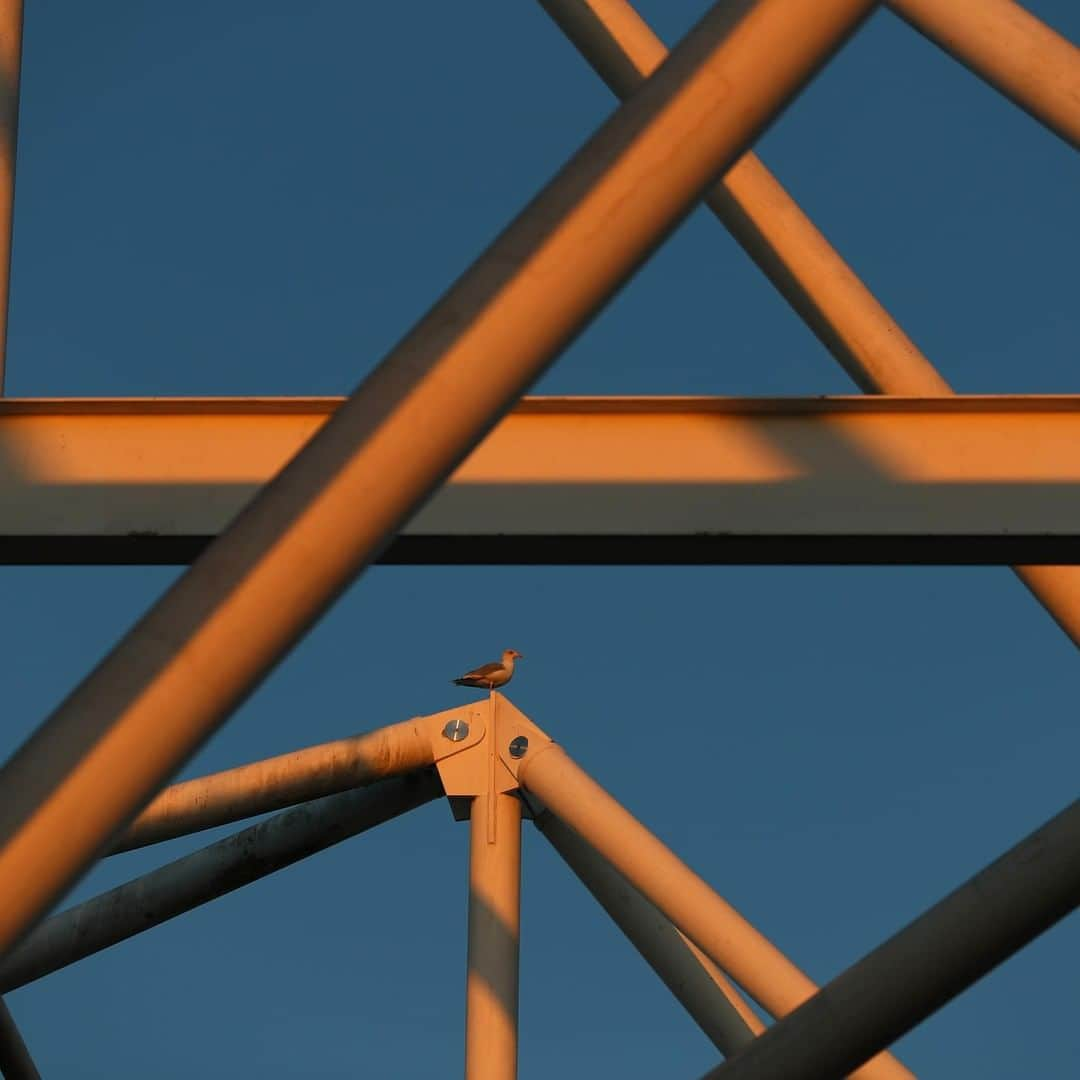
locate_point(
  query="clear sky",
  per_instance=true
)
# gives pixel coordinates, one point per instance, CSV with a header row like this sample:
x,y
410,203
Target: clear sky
x,y
259,197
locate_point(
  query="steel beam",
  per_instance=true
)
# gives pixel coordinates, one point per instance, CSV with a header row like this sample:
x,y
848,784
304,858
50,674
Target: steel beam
x,y
590,480
705,918
277,782
204,875
763,218
700,987
11,25
491,998
1020,56
939,955
998,39
217,631
15,1060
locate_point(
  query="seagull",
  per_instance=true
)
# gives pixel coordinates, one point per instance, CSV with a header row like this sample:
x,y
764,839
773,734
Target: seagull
x,y
488,676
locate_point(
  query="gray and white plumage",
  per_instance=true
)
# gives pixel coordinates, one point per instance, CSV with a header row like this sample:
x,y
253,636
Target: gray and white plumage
x,y
490,676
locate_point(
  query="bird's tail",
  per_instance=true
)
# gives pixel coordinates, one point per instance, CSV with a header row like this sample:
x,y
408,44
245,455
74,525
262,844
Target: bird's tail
x,y
461,682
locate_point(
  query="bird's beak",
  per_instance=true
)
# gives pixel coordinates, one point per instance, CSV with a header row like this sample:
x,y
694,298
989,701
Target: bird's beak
x,y
519,656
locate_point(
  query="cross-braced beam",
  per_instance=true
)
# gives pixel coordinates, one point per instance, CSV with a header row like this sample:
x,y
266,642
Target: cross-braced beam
x,y
1043,77
209,640
700,987
760,214
707,919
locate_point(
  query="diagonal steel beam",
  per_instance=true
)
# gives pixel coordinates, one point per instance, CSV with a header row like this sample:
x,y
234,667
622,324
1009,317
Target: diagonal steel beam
x,y
208,873
274,783
939,955
700,987
707,920
288,779
217,631
1016,53
622,47
15,1060
11,26
768,224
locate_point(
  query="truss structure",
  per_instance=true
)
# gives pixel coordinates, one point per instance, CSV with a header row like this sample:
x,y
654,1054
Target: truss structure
x,y
279,504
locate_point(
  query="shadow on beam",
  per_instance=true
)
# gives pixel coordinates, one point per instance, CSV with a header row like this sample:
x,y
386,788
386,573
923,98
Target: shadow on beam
x,y
702,550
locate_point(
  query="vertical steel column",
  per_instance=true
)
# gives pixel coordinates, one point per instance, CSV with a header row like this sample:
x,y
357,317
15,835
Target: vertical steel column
x,y
1016,53
11,23
212,637
706,918
491,997
15,1060
701,988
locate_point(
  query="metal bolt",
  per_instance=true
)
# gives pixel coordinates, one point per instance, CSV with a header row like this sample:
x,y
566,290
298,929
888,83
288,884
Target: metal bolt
x,y
519,746
456,730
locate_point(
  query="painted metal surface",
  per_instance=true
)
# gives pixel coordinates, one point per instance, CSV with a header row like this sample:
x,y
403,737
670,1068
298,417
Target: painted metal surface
x,y
985,479
700,987
213,871
1016,53
712,924
491,995
760,214
204,646
1019,55
940,954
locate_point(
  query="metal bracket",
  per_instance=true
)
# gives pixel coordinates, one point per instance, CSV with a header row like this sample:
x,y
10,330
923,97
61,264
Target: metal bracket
x,y
472,765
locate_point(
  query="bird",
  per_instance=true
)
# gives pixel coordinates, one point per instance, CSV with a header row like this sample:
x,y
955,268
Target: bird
x,y
488,676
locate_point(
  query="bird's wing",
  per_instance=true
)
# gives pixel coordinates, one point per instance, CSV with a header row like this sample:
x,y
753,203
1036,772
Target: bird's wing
x,y
483,671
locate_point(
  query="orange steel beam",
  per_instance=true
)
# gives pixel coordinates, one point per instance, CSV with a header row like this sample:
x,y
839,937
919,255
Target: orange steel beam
x,y
253,593
698,984
491,994
562,480
759,213
11,24
1032,65
715,927
277,782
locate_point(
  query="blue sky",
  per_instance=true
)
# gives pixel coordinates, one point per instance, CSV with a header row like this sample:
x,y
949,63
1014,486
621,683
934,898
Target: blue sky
x,y
259,198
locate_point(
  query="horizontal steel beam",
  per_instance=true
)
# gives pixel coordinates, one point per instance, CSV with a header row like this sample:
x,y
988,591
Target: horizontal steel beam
x,y
578,480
